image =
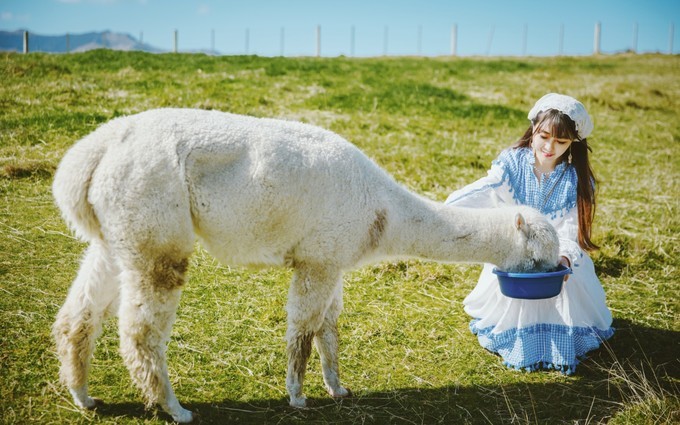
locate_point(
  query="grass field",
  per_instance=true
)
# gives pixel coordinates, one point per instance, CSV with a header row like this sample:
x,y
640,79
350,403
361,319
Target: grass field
x,y
435,124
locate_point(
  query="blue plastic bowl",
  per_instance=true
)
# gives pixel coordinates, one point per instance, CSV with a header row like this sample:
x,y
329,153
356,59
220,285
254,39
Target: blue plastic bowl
x,y
532,286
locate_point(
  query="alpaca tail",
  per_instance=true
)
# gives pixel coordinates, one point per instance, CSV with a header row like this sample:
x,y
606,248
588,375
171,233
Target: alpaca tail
x,y
72,180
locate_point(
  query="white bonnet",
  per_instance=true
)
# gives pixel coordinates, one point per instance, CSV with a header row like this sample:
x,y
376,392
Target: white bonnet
x,y
568,106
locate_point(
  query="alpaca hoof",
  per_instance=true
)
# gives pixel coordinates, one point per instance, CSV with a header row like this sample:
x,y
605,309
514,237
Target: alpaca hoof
x,y
298,402
98,402
90,403
82,400
86,403
183,417
342,393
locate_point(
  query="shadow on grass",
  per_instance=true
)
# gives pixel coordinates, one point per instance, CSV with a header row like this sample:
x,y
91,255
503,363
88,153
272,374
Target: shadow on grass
x,y
599,389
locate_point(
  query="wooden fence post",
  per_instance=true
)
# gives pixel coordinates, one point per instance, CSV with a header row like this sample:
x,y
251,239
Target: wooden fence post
x,y
596,41
25,42
351,41
175,37
670,39
318,41
490,40
386,37
247,41
282,40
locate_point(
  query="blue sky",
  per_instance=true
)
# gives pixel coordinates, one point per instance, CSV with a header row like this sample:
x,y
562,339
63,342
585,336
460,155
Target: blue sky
x,y
493,27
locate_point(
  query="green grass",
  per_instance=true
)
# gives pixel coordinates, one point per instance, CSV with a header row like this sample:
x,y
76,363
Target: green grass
x,y
435,124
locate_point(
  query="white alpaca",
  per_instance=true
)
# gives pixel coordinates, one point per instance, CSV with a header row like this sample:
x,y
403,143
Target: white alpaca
x,y
255,192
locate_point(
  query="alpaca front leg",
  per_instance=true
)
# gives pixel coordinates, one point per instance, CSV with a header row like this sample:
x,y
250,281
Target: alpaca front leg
x,y
147,313
326,342
79,320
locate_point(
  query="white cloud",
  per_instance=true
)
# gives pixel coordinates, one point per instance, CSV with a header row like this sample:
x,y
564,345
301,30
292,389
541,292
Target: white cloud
x,y
203,9
6,16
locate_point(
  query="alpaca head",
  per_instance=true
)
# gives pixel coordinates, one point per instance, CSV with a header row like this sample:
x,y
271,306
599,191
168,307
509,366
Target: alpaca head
x,y
536,245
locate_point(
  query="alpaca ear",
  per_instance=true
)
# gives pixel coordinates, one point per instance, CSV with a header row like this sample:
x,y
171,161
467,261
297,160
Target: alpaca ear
x,y
521,224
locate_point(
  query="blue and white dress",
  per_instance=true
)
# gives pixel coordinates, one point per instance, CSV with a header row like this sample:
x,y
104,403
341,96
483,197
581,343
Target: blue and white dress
x,y
551,333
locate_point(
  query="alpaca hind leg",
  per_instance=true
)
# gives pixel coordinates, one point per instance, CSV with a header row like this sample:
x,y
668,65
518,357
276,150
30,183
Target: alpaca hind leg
x,y
310,294
326,342
79,320
149,298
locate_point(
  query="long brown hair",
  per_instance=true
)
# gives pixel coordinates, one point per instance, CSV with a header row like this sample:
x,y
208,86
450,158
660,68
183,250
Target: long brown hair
x,y
564,128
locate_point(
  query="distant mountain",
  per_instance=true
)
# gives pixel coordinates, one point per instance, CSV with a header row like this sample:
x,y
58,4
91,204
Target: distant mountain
x,y
13,41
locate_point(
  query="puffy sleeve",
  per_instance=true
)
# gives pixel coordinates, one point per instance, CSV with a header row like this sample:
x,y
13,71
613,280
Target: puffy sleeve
x,y
567,231
490,191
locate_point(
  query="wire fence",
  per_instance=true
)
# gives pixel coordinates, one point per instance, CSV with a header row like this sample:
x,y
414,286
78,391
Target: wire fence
x,y
351,49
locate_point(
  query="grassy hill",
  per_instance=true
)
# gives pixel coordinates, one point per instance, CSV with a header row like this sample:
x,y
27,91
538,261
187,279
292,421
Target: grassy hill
x,y
435,124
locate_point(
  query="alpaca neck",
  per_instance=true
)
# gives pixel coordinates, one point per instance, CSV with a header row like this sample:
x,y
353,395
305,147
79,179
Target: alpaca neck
x,y
429,230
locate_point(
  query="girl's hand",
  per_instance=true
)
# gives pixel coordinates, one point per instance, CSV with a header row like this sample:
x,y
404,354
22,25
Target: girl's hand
x,y
566,263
